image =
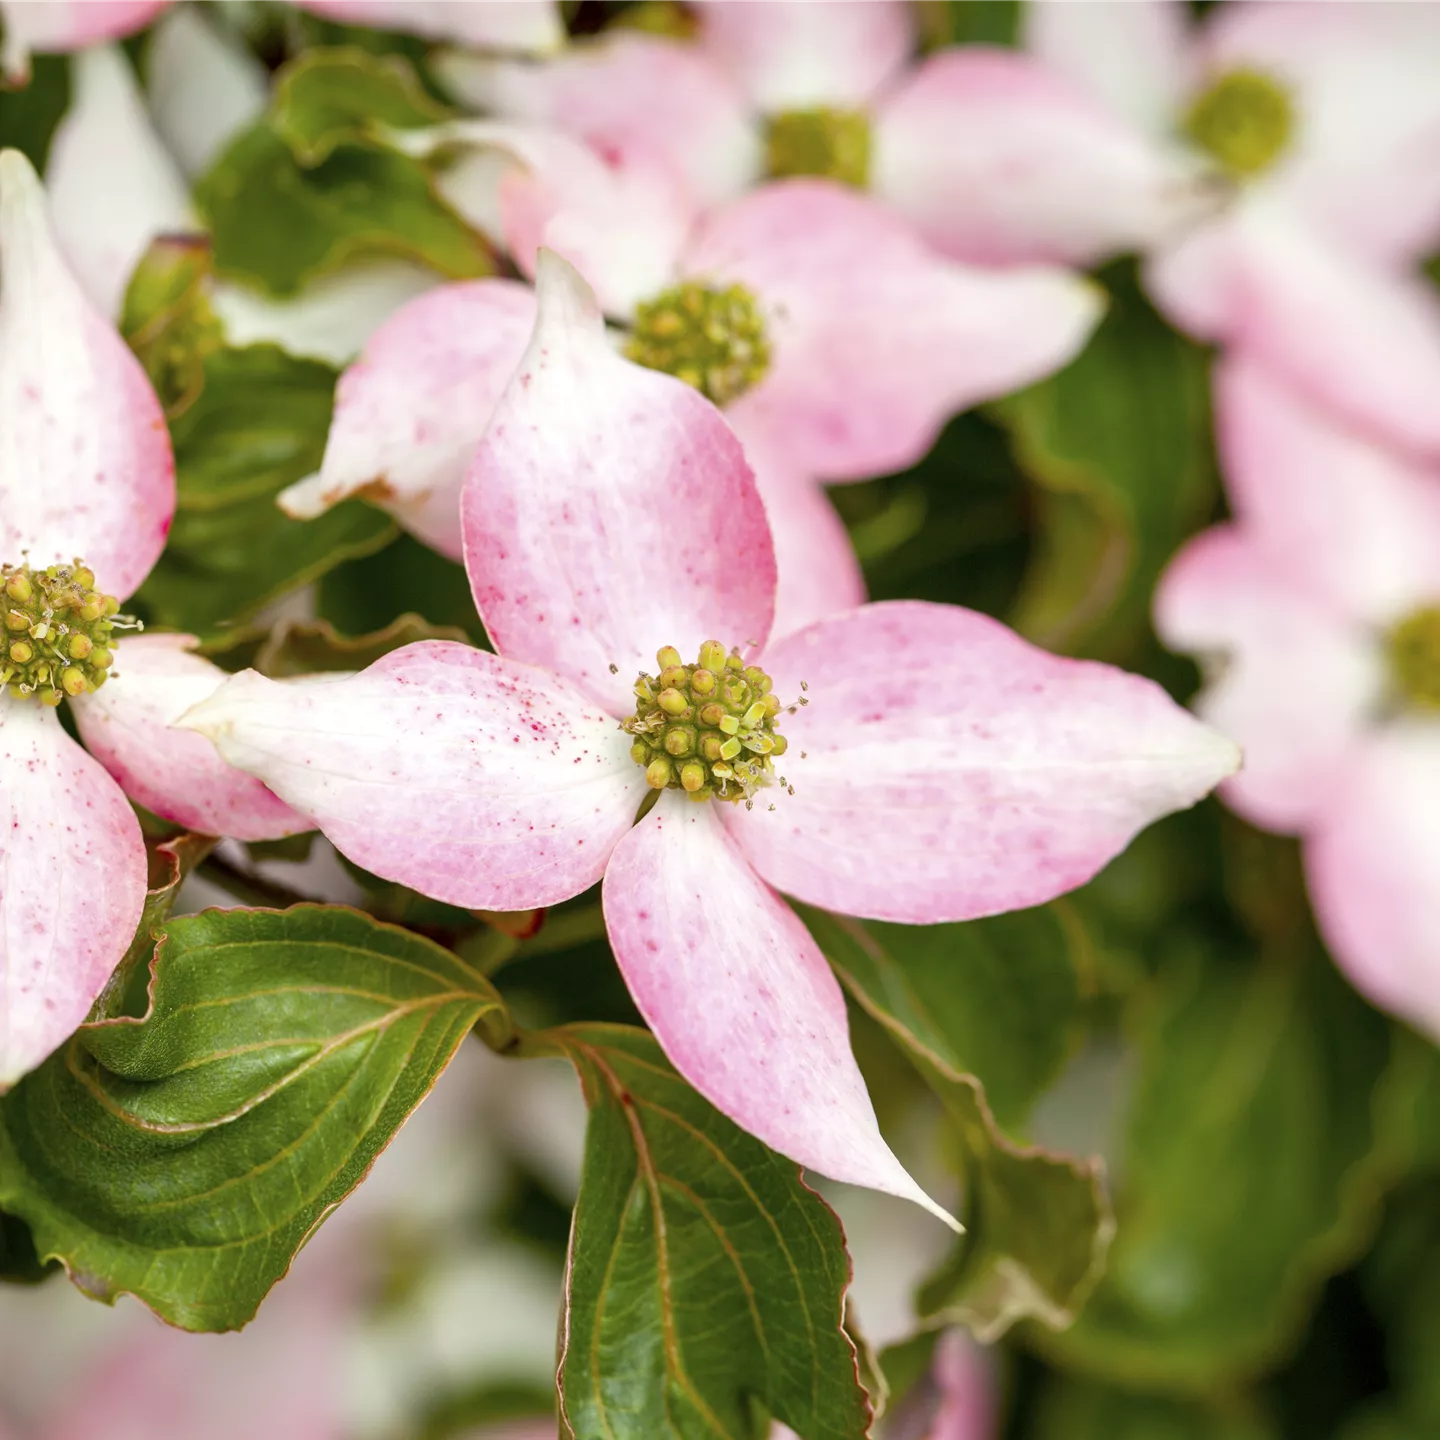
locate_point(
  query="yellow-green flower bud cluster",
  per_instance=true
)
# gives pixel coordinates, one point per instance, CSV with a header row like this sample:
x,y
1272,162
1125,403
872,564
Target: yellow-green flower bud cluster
x,y
707,729
57,631
1245,120
712,339
1415,659
823,141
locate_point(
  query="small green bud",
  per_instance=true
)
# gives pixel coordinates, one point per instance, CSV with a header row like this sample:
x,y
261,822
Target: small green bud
x,y
74,682
712,656
679,740
711,714
702,683
101,658
672,702
80,646
50,697
658,773
16,620
778,744
18,587
710,744
667,656
22,652
692,776
674,677
640,753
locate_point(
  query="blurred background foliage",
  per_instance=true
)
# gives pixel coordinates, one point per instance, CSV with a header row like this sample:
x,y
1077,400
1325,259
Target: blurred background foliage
x,y
1272,1144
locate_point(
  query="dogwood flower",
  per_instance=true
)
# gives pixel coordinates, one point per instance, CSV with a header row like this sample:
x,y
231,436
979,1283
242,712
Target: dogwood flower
x,y
1322,599
837,343
87,490
1276,162
60,26
907,761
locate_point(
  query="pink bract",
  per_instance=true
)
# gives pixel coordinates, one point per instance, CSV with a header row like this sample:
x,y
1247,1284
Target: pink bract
x,y
609,512
1336,540
85,471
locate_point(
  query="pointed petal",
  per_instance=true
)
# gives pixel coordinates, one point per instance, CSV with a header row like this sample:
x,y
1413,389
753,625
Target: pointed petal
x,y
876,341
750,1014
619,217
1360,168
410,412
1357,338
47,27
630,92
85,461
175,773
485,24
1128,55
203,86
1351,521
331,317
997,160
609,511
818,572
113,186
945,769
1373,866
1296,682
467,777
799,54
72,883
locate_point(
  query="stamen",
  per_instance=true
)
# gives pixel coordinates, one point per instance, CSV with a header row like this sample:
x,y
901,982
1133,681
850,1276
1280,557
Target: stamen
x,y
1245,120
707,729
1415,659
712,339
58,629
827,142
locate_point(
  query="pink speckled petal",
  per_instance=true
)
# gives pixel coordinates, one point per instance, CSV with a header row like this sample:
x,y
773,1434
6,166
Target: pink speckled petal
x,y
818,572
485,24
45,27
944,768
1360,339
113,186
996,159
85,461
1296,680
632,92
876,341
470,778
609,511
1373,865
1355,523
1360,166
798,54
749,1014
72,883
1128,55
410,412
175,773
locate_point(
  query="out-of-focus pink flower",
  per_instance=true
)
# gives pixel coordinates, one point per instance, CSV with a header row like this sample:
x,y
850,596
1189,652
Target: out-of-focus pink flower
x,y
87,485
51,26
941,767
1277,163
837,343
1322,599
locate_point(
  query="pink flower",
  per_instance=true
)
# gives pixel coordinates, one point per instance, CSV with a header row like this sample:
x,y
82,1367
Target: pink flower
x,y
50,26
942,768
838,344
1323,599
1277,163
87,486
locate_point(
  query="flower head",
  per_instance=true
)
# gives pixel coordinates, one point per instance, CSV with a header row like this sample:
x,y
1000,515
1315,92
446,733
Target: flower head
x,y
941,767
1322,600
85,471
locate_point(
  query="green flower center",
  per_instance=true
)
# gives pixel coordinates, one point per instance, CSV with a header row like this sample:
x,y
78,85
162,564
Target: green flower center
x,y
56,637
1415,658
1245,120
707,729
712,339
832,143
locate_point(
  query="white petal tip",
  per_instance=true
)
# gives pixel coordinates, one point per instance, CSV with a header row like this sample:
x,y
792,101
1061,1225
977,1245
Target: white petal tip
x,y
310,498
564,294
17,174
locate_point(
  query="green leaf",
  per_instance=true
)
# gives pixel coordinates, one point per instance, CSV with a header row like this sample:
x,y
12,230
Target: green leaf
x,y
167,319
1119,444
996,998
706,1279
1037,1225
1077,1410
184,1158
259,425
278,225
1267,1118
19,1264
30,114
328,97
